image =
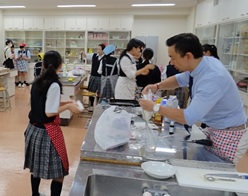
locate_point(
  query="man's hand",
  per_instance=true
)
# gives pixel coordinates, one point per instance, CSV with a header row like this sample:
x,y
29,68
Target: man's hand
x,y
146,105
153,88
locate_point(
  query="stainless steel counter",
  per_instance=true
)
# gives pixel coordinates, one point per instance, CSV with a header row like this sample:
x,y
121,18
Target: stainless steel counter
x,y
125,161
86,169
70,91
132,153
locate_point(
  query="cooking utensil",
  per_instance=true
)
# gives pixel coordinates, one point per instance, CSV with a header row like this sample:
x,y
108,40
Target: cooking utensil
x,y
238,176
214,178
204,142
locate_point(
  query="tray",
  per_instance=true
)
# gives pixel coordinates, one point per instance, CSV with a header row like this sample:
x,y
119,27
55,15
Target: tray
x,y
124,102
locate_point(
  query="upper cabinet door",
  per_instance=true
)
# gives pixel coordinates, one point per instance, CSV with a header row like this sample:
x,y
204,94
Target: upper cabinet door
x,y
49,23
81,23
14,23
121,23
38,23
54,23
28,23
126,22
70,23
103,23
200,18
59,23
242,9
227,10
115,23
33,23
92,23
98,23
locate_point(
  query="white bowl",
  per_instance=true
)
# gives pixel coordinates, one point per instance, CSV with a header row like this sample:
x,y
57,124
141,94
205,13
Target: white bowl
x,y
158,169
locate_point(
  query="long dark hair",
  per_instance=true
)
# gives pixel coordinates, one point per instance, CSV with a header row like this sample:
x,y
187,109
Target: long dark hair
x,y
133,43
212,49
51,62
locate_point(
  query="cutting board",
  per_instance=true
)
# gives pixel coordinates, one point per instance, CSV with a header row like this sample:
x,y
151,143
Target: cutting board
x,y
191,177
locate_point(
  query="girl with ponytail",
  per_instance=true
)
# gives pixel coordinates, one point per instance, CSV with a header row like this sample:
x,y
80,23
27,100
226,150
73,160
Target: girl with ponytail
x,y
45,151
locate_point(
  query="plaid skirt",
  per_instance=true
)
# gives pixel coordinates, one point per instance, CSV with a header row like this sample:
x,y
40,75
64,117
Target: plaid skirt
x,y
107,91
94,84
40,155
22,65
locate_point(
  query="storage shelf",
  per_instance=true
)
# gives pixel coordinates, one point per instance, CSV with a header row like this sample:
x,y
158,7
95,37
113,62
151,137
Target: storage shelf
x,y
231,37
82,40
78,47
78,39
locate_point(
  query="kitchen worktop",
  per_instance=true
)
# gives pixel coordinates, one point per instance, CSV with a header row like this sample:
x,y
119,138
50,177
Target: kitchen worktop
x,y
125,161
132,153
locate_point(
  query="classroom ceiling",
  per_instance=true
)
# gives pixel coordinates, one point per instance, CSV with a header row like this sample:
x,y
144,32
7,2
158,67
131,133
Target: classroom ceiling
x,y
102,4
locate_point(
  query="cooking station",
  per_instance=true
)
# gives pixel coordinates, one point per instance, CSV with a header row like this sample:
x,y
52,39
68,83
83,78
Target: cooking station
x,y
116,167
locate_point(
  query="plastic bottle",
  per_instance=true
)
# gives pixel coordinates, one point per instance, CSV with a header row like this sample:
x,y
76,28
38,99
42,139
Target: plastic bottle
x,y
172,103
158,117
164,119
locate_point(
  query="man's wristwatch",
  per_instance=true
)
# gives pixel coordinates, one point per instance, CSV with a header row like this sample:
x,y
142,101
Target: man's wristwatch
x,y
156,108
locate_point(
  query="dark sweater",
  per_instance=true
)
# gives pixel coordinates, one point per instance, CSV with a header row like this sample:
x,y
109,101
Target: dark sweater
x,y
153,77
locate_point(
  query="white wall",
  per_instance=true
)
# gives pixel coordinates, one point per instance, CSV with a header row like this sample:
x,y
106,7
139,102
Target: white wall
x,y
161,26
191,20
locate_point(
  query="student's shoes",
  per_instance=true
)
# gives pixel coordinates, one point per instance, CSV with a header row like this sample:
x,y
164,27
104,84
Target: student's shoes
x,y
23,85
19,85
91,109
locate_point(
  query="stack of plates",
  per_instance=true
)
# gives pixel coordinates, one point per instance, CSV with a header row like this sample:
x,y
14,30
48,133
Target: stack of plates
x,y
159,170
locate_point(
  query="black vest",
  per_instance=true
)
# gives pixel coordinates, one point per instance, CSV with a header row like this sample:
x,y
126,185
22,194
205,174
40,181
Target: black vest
x,y
95,66
37,114
106,70
122,74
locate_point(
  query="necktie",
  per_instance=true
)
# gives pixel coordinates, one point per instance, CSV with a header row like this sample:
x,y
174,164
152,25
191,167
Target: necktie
x,y
203,125
187,127
190,86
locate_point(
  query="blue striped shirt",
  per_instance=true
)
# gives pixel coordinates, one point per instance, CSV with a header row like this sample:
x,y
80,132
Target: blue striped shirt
x,y
215,96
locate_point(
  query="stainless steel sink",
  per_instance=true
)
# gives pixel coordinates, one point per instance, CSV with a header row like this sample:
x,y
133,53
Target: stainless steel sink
x,y
101,185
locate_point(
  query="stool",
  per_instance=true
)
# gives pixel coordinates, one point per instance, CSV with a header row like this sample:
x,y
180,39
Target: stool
x,y
83,87
86,105
5,100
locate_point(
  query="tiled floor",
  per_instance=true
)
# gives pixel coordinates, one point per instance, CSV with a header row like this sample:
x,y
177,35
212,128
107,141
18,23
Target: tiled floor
x,y
14,181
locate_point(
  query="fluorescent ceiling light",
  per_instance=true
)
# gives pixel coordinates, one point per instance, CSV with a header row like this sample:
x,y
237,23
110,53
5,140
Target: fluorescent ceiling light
x,y
12,6
76,6
153,5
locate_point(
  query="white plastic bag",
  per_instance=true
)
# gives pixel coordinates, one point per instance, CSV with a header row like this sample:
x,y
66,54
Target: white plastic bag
x,y
113,128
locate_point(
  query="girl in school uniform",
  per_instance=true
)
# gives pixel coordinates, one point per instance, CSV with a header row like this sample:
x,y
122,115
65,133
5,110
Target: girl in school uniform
x,y
126,83
45,151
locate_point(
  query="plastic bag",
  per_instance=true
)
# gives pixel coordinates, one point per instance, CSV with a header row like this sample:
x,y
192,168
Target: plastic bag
x,y
113,128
